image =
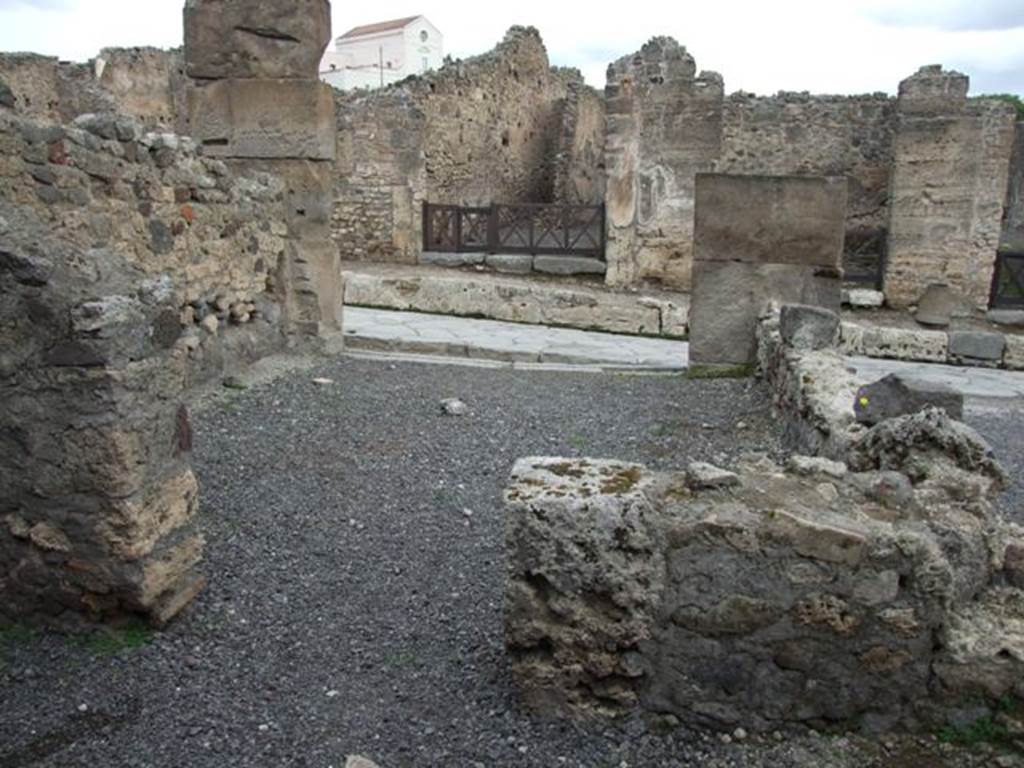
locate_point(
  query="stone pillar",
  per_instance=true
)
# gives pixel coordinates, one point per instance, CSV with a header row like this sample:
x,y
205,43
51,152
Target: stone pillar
x,y
255,100
760,239
951,161
664,126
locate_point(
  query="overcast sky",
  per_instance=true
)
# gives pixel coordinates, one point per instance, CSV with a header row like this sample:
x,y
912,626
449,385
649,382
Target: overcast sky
x,y
823,46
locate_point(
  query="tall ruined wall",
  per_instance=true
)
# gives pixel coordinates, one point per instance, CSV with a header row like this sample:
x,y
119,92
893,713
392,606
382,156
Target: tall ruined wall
x,y
130,268
1012,237
797,133
949,181
579,164
133,264
475,132
664,126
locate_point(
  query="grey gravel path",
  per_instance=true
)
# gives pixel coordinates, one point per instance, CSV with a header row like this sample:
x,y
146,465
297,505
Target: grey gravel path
x,y
355,564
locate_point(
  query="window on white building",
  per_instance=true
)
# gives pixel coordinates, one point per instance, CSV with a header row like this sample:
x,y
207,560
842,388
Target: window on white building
x,y
425,65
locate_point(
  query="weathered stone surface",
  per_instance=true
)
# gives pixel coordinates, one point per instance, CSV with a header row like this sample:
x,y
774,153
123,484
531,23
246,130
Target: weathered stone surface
x,y
358,761
440,259
899,394
652,163
816,465
1013,357
770,220
813,393
863,298
951,163
937,305
701,475
511,263
970,346
276,119
603,606
720,336
787,250
808,327
894,343
238,39
508,298
568,265
926,445
762,603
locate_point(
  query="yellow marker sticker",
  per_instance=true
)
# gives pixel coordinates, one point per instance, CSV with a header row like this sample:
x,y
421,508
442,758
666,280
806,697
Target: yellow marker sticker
x,y
863,401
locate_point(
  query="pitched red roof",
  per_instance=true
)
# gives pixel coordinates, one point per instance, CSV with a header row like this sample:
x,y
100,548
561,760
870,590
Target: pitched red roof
x,y
380,26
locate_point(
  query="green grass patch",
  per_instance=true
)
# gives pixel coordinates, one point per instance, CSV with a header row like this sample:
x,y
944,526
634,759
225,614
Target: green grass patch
x,y
987,730
714,371
109,642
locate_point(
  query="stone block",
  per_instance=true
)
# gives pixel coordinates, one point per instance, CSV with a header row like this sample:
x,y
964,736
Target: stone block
x,y
568,265
899,394
1013,357
511,263
863,298
729,297
273,119
239,38
1005,316
441,259
937,305
808,328
902,343
969,346
770,219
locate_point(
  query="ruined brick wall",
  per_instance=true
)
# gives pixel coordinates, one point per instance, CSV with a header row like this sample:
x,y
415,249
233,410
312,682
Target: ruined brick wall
x,y
134,264
949,181
475,132
217,236
146,83
579,163
130,268
664,126
797,133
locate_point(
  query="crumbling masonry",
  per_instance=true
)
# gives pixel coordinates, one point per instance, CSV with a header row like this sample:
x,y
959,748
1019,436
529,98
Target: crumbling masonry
x,y
135,262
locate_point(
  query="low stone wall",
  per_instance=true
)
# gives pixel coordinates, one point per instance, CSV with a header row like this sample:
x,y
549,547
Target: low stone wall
x,y
812,392
764,598
988,349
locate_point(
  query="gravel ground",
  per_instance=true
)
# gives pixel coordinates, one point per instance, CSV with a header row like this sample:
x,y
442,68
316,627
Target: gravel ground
x,y
1003,428
355,562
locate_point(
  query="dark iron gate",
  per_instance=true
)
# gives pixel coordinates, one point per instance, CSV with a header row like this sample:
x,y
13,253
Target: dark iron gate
x,y
1008,281
532,228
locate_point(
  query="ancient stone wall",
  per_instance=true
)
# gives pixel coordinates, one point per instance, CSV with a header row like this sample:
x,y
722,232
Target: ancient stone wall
x,y
134,264
579,164
797,133
480,131
664,125
131,268
949,181
872,596
1012,237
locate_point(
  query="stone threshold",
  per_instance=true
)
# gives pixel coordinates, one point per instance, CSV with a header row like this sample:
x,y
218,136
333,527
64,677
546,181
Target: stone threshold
x,y
536,300
517,263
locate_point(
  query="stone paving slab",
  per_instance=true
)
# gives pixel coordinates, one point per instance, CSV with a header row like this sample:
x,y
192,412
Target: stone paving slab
x,y
424,334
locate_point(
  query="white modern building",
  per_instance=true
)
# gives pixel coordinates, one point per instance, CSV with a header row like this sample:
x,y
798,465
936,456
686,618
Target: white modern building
x,y
375,55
